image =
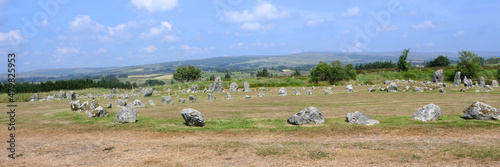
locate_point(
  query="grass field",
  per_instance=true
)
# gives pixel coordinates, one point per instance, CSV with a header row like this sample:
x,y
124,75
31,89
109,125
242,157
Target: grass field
x,y
254,132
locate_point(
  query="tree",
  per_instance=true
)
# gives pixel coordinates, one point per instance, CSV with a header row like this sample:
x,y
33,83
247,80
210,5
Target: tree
x,y
332,73
469,64
297,72
440,61
321,72
403,65
228,76
263,73
187,73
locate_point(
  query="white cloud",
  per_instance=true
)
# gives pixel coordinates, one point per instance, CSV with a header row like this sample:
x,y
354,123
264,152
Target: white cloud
x,y
170,39
160,32
404,36
347,31
66,50
425,25
388,28
154,5
315,22
460,33
195,50
351,12
148,49
101,50
84,23
14,37
262,11
254,26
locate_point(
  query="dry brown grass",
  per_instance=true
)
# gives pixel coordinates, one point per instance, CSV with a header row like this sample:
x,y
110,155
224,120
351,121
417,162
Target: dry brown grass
x,y
44,141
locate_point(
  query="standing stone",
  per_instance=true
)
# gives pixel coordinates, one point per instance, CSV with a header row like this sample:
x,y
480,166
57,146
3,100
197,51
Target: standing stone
x,y
62,95
282,92
247,97
110,105
195,89
457,81
90,95
466,82
167,100
260,94
481,82
211,87
35,97
442,90
392,87
146,92
297,93
192,117
233,87
76,106
328,92
348,89
121,102
309,115
309,92
71,96
113,91
181,100
211,97
463,90
438,76
228,96
126,115
418,89
217,87
151,102
98,112
246,87
192,99
138,103
360,118
429,112
494,83
481,111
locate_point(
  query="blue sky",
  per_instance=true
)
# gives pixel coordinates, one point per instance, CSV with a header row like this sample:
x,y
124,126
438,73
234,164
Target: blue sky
x,y
70,33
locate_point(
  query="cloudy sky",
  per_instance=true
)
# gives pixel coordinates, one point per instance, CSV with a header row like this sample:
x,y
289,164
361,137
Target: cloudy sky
x,y
71,33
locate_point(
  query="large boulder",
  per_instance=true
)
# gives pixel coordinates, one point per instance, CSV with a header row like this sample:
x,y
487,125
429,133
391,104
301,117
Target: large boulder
x,y
246,87
71,96
233,87
309,115
438,76
98,112
228,96
457,81
192,99
192,117
429,112
348,89
282,92
494,83
360,118
167,100
138,103
126,115
195,89
392,87
481,111
121,102
76,106
481,82
146,92
217,86
211,97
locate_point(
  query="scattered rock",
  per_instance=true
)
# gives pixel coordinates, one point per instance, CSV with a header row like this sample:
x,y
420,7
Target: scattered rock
x,y
438,76
457,81
35,97
297,93
62,95
77,106
328,92
217,86
192,99
167,100
127,114
195,89
113,91
442,90
246,87
90,95
309,92
110,105
360,118
392,87
494,83
481,111
71,96
151,102
121,102
228,96
481,82
260,94
233,87
192,117
211,97
282,92
138,103
348,89
463,90
98,112
181,100
418,89
429,112
247,97
309,115
146,92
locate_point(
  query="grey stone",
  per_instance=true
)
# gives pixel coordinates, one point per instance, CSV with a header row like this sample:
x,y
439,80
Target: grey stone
x,y
348,89
233,87
192,99
121,102
481,111
151,102
360,118
418,89
327,92
442,90
260,94
110,105
110,96
181,100
90,95
127,114
211,97
429,112
438,76
392,87
309,115
386,82
247,97
35,97
481,82
228,96
146,92
113,91
309,92
49,98
138,103
494,83
457,81
282,92
463,90
297,93
246,87
195,89
62,95
98,112
192,117
71,96
217,86
77,106
167,100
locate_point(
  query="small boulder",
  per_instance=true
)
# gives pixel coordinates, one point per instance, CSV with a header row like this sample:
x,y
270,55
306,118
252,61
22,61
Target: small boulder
x,y
297,93
110,105
138,103
481,111
429,112
121,102
228,96
192,117
71,96
392,87
212,97
438,76
260,94
309,92
127,114
481,82
181,100
146,92
217,86
167,100
309,115
247,97
349,89
442,90
282,92
233,87
494,83
195,89
151,102
360,118
192,99
418,89
98,112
